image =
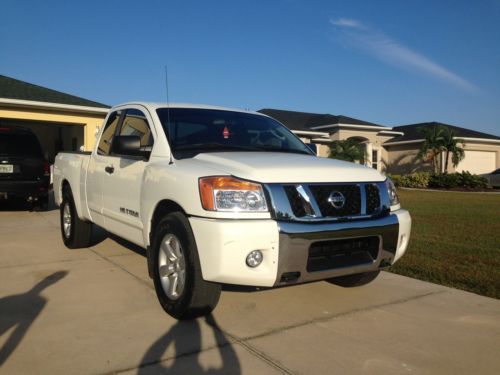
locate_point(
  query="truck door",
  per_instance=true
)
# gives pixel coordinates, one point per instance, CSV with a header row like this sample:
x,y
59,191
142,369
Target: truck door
x,y
96,170
123,181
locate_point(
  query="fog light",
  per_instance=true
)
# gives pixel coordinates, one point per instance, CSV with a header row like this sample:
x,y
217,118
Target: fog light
x,y
254,258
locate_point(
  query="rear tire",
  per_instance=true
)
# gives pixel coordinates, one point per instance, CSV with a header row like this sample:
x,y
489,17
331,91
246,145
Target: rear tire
x,y
75,232
177,277
357,279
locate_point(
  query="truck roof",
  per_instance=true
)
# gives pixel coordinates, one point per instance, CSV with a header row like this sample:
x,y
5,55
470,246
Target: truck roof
x,y
156,105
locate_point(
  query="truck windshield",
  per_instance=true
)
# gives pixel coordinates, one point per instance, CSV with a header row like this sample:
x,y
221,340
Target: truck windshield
x,y
191,131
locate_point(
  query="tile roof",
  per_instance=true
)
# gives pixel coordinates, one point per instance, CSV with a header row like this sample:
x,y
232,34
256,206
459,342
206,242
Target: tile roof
x,y
11,88
411,132
306,121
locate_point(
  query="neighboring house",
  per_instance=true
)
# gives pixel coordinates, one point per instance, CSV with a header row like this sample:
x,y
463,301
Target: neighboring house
x,y
482,151
389,150
62,122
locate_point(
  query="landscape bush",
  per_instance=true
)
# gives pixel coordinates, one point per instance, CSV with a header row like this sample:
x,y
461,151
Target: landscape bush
x,y
413,180
424,180
458,180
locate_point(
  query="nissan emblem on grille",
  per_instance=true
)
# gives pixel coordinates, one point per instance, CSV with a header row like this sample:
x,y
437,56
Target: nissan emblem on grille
x,y
336,199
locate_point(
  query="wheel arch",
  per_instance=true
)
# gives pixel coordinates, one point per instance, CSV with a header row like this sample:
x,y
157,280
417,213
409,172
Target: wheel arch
x,y
162,208
63,186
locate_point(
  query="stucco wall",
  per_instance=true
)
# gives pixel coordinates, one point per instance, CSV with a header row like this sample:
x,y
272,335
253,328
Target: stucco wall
x,y
404,159
372,136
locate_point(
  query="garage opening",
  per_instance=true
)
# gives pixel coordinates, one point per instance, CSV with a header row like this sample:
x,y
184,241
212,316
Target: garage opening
x,y
53,137
478,162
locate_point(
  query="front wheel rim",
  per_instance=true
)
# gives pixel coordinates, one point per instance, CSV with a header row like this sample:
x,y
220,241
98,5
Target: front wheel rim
x,y
67,220
172,266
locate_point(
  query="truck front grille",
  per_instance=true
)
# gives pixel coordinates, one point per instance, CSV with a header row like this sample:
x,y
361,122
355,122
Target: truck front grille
x,y
296,202
328,255
352,199
372,198
323,202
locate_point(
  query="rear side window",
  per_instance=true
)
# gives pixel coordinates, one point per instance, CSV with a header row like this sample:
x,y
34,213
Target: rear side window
x,y
108,133
135,123
25,145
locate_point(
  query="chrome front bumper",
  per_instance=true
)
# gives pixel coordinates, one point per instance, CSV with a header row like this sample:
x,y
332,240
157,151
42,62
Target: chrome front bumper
x,y
295,240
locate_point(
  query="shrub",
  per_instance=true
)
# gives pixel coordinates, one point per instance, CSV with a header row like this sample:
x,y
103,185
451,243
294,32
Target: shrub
x,y
469,180
414,180
444,180
441,181
454,180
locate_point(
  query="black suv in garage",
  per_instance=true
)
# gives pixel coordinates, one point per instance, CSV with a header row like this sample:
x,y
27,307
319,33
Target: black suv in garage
x,y
24,171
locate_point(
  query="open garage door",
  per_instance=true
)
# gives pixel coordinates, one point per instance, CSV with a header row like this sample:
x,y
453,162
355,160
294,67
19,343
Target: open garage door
x,y
53,137
478,162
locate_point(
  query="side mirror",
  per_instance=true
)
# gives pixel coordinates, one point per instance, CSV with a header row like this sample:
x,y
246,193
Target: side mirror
x,y
129,145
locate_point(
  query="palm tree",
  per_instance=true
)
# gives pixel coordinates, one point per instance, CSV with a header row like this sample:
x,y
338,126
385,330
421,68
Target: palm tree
x,y
348,149
450,144
433,144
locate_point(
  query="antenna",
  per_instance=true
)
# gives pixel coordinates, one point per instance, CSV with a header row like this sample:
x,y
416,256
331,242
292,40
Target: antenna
x,y
168,113
166,82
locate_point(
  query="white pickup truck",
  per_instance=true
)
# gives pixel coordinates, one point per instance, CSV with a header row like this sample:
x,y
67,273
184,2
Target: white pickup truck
x,y
221,196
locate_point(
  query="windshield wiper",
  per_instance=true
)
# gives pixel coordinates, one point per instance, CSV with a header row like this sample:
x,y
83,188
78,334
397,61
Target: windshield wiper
x,y
214,146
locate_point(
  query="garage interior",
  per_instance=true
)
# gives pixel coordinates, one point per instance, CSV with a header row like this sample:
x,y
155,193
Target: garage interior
x,y
54,137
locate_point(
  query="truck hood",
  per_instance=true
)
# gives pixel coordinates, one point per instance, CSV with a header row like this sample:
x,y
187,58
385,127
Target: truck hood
x,y
277,167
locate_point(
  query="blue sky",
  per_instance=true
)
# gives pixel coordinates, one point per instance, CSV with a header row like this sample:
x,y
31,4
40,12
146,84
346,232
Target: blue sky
x,y
388,62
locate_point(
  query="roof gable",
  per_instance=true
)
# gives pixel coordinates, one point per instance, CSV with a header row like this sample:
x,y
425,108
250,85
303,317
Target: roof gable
x,y
306,121
412,133
11,88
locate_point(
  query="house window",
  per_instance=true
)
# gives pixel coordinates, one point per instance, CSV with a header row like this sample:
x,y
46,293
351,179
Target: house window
x,y
375,159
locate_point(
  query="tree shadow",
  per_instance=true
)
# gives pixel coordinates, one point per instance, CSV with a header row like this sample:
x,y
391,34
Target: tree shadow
x,y
185,336
406,164
20,311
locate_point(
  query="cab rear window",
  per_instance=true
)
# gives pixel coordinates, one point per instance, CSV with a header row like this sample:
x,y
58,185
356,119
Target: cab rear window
x,y
25,145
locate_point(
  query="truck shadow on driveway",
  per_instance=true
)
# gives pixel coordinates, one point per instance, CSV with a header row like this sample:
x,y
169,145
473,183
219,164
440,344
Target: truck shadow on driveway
x,y
20,311
185,336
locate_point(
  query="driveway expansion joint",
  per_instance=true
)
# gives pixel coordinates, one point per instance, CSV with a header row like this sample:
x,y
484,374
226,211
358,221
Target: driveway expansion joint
x,y
342,314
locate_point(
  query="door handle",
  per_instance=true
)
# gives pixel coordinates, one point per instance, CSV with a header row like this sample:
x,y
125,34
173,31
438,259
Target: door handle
x,y
109,169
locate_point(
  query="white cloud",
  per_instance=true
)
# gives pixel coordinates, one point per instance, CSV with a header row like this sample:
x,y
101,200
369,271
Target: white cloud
x,y
392,52
347,22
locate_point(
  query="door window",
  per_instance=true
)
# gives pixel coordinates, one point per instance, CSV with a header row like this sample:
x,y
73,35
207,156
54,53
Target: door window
x,y
135,123
107,135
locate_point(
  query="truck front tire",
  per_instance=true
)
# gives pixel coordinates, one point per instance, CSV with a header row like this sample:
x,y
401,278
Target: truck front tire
x,y
75,233
357,279
177,277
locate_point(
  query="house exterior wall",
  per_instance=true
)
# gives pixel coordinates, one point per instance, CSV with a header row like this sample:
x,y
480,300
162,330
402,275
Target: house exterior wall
x,y
404,159
323,150
375,140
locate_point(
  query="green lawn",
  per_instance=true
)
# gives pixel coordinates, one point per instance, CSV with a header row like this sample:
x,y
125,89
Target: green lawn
x,y
455,240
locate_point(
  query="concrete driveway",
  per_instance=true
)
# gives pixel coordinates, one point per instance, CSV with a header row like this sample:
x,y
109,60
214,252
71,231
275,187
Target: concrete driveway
x,y
94,311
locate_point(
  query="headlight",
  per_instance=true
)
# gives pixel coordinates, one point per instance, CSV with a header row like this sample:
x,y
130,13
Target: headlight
x,y
393,195
231,194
